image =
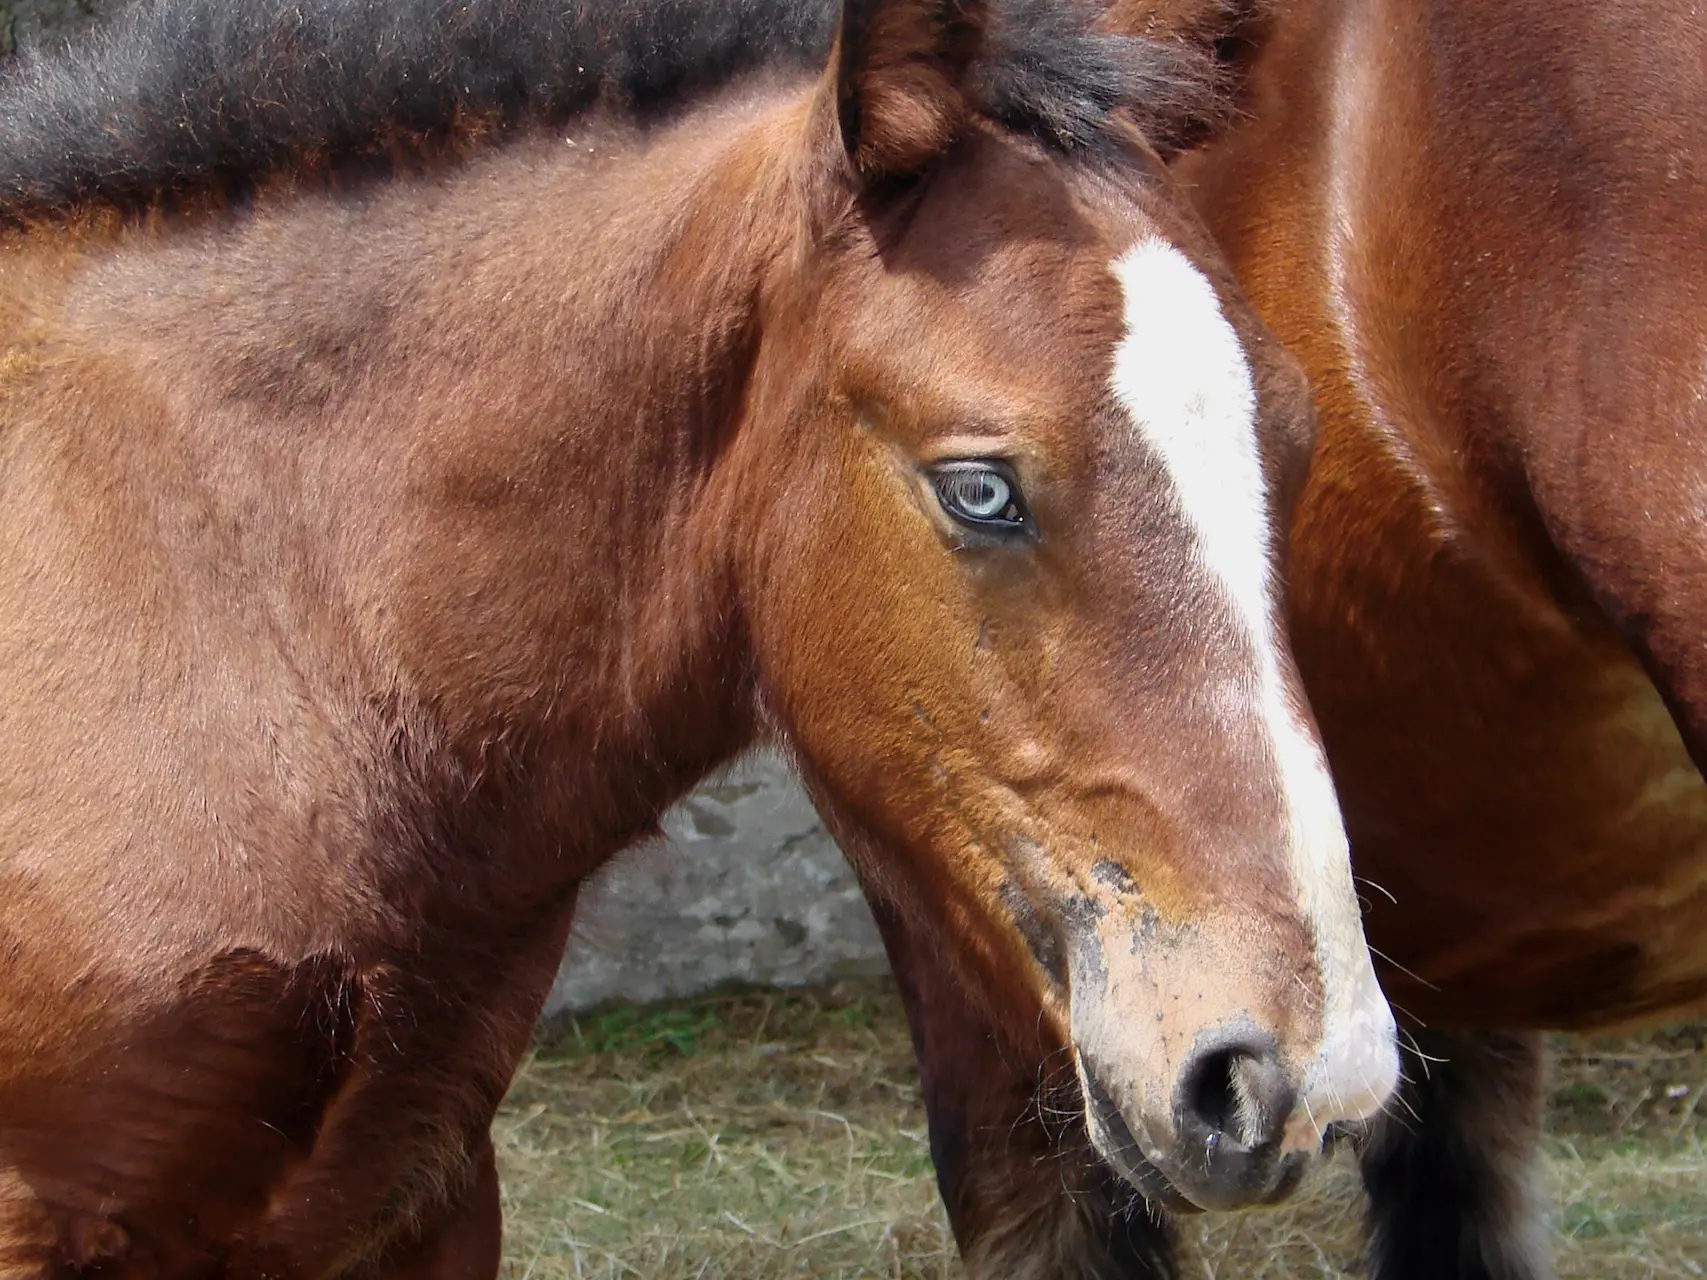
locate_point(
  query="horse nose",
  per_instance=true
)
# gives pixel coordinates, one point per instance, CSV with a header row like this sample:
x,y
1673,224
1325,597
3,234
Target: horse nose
x,y
1230,1115
1225,1147
1235,1094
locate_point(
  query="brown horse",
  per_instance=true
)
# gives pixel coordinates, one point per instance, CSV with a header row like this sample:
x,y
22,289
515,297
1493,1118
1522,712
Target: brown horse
x,y
384,546
1481,224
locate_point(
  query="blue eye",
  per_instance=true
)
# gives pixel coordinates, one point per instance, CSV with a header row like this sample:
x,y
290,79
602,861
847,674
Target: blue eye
x,y
982,495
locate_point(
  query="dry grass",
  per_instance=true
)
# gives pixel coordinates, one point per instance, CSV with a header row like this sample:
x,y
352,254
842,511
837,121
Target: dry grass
x,y
767,1135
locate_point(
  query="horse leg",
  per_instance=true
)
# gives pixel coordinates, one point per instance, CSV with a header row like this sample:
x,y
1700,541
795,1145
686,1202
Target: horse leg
x,y
1454,1192
399,1180
463,1242
1028,1200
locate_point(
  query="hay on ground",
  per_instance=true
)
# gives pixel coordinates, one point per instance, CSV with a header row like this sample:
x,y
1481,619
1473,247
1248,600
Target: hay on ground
x,y
765,1135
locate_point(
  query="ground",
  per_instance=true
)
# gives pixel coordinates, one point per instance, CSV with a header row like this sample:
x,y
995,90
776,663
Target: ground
x,y
762,1135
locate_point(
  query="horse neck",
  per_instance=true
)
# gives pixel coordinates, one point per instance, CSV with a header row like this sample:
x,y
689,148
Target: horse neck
x,y
507,400
640,339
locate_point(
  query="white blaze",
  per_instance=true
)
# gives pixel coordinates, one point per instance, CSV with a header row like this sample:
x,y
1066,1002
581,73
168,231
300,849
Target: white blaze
x,y
1181,373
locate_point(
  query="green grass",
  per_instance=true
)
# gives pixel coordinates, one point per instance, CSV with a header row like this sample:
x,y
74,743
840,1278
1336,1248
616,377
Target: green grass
x,y
768,1135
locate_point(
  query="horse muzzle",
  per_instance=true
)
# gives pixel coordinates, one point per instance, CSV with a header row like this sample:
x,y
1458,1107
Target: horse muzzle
x,y
1225,1145
1212,1073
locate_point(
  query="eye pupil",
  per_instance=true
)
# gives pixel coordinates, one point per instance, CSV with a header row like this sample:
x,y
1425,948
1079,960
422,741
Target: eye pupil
x,y
983,494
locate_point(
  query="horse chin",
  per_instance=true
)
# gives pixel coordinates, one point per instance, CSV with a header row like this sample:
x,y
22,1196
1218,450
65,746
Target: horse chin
x,y
1119,1147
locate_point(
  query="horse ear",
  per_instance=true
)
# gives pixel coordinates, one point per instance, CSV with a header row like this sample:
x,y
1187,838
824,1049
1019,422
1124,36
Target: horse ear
x,y
897,71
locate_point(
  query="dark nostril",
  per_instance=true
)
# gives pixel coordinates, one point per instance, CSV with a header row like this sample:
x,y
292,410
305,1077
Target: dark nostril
x,y
1238,1093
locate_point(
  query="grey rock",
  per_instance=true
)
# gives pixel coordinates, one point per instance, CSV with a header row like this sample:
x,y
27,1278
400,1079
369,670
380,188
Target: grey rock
x,y
746,887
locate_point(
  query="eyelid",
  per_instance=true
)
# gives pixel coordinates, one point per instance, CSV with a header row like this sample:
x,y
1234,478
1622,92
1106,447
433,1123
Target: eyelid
x,y
969,448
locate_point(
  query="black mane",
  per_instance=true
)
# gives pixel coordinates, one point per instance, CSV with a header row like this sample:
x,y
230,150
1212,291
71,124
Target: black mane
x,y
172,96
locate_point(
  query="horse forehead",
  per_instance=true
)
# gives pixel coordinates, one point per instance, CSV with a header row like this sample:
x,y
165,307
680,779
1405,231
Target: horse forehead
x,y
1180,368
1026,337
1182,376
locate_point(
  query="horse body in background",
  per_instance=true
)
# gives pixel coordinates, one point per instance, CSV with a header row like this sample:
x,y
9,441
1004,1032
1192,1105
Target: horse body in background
x,y
1480,226
381,553
1501,581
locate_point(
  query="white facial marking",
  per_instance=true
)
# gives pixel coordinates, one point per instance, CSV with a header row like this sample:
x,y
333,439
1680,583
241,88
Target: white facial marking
x,y
1181,373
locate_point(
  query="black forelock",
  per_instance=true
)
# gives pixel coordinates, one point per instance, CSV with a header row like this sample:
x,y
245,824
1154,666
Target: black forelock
x,y
169,95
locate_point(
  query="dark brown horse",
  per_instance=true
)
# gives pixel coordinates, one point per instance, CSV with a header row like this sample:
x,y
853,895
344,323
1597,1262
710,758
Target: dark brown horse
x,y
384,545
1481,224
